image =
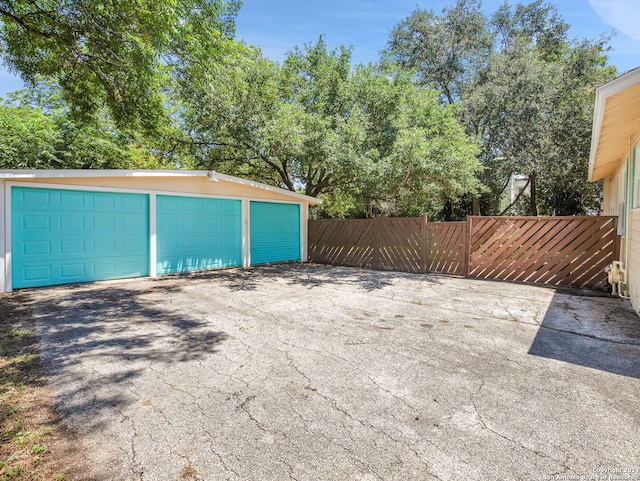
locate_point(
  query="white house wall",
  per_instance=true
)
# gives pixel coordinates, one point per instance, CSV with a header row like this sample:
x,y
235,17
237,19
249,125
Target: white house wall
x,y
618,201
632,244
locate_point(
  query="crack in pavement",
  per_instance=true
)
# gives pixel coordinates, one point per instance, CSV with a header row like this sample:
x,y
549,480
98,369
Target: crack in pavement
x,y
627,342
218,455
484,425
358,420
136,468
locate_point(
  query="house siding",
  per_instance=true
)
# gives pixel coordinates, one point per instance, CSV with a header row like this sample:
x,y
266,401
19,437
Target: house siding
x,y
633,262
619,191
633,226
615,146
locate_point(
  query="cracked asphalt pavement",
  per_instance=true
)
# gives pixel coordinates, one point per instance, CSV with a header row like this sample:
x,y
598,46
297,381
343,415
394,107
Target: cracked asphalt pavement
x,y
309,372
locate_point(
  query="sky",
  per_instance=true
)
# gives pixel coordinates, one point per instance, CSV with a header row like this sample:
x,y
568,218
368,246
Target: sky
x,y
277,26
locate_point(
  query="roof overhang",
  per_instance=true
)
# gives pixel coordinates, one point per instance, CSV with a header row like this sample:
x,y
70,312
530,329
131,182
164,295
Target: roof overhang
x,y
11,174
616,119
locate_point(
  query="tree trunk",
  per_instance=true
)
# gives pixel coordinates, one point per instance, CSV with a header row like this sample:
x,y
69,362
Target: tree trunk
x,y
475,205
534,205
448,211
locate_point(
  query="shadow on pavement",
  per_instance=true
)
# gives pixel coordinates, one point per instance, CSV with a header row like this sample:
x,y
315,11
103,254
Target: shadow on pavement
x,y
306,274
597,332
118,334
316,275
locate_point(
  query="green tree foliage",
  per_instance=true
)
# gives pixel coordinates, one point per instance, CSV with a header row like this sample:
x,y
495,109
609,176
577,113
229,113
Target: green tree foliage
x,y
366,139
524,89
27,138
444,50
37,132
117,54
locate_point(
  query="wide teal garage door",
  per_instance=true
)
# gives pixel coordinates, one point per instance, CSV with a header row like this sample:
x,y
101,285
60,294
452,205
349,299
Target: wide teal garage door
x,y
63,236
275,232
196,233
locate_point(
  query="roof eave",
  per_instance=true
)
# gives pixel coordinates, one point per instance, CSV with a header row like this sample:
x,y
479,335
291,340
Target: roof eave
x,y
603,92
17,174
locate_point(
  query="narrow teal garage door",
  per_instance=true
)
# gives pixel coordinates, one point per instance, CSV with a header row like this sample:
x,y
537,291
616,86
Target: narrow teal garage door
x,y
196,233
63,236
275,232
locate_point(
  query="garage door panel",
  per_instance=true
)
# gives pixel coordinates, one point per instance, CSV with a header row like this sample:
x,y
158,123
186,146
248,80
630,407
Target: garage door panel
x,y
104,268
62,236
68,223
103,223
72,271
33,222
275,232
73,199
37,273
73,247
130,224
169,245
33,198
198,233
36,248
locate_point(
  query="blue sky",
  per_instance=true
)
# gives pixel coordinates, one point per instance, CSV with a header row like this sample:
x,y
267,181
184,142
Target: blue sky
x,y
278,25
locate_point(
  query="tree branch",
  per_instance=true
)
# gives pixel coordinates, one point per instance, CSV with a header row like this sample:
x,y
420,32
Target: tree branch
x,y
20,21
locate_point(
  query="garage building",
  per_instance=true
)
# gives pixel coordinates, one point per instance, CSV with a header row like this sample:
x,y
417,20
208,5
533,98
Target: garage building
x,y
68,226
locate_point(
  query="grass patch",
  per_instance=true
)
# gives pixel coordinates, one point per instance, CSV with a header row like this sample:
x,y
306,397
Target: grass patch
x,y
32,448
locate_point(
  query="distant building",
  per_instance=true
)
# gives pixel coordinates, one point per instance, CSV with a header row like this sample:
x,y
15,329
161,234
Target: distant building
x,y
517,184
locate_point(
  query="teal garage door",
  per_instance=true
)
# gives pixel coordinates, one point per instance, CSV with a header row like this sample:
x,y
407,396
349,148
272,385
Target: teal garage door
x,y
275,232
196,233
63,236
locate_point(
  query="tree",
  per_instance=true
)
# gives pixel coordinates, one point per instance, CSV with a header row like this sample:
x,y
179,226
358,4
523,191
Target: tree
x,y
115,54
27,138
527,95
446,50
515,106
37,132
366,136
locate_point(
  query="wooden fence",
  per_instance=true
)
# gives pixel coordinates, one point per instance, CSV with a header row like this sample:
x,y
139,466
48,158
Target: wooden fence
x,y
560,251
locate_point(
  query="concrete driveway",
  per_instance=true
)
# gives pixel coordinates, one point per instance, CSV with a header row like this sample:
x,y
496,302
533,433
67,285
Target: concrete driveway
x,y
306,372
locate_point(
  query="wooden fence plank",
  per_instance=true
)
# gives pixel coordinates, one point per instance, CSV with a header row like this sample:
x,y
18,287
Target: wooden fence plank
x,y
539,252
563,247
567,251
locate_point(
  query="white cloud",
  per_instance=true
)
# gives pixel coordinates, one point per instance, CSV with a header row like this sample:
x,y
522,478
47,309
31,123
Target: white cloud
x,y
624,15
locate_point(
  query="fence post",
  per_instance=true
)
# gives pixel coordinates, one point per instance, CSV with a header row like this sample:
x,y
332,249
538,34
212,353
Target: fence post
x,y
376,242
467,248
617,240
424,243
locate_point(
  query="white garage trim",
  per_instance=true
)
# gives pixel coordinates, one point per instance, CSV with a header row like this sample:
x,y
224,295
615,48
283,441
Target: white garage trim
x,y
304,232
3,241
153,236
61,174
6,212
246,230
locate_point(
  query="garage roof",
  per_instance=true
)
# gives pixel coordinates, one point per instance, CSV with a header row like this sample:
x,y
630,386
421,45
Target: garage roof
x,y
16,174
615,119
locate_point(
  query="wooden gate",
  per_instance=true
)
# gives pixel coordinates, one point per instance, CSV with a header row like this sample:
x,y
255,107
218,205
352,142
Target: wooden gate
x,y
446,248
